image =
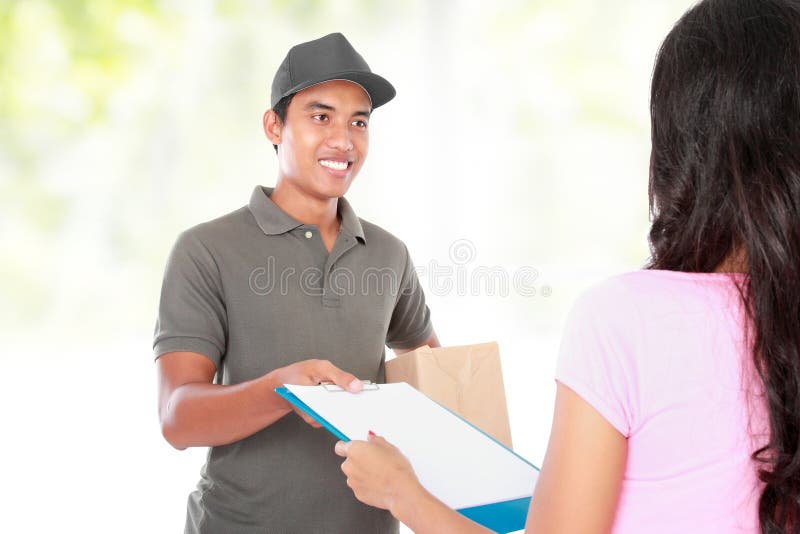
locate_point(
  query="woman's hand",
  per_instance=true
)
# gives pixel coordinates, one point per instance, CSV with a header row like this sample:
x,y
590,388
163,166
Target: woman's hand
x,y
377,472
381,476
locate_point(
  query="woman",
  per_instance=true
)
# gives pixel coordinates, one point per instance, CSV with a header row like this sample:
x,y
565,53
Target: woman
x,y
678,387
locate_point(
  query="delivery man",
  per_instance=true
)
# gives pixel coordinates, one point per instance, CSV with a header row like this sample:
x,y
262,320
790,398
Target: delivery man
x,y
291,288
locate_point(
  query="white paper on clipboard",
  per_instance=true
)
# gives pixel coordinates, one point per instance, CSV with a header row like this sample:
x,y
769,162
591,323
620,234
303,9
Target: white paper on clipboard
x,y
456,462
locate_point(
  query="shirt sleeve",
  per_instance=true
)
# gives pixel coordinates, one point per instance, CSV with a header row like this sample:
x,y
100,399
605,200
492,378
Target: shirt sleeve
x,y
410,324
596,358
191,313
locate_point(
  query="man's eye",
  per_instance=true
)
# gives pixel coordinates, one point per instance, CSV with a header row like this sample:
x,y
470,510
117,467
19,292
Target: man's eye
x,y
360,124
321,117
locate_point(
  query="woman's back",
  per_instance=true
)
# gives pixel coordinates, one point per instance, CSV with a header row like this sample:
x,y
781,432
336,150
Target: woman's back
x,y
662,356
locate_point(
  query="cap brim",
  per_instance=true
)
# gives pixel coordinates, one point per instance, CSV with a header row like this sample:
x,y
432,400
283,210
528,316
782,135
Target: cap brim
x,y
378,88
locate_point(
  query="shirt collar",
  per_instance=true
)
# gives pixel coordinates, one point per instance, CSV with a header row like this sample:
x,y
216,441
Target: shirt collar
x,y
350,221
274,221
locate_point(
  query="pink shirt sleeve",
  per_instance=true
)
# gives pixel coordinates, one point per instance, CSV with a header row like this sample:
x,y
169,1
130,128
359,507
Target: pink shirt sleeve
x,y
596,358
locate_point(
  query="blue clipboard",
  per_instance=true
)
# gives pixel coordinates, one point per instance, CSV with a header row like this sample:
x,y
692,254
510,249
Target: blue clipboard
x,y
501,517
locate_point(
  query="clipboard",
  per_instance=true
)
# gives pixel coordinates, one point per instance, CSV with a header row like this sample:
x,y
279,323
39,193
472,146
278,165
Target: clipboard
x,y
462,466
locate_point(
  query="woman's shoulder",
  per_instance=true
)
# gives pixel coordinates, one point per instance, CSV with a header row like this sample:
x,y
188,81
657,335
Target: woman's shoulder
x,y
638,293
652,282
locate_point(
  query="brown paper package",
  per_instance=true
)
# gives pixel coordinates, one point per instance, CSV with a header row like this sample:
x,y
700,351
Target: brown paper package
x,y
467,380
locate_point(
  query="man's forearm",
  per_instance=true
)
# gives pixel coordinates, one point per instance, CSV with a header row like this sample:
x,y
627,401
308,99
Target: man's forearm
x,y
201,414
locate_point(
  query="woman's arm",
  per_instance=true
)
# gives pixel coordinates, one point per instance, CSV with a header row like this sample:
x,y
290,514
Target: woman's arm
x,y
581,477
381,476
577,490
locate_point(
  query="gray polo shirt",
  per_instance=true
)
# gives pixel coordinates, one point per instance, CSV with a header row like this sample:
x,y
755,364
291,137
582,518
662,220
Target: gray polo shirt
x,y
256,290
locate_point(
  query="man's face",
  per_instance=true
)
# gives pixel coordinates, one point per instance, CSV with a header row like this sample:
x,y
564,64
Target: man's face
x,y
325,139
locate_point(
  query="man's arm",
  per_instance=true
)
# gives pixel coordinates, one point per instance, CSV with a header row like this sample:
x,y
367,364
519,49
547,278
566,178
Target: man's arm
x,y
432,342
195,412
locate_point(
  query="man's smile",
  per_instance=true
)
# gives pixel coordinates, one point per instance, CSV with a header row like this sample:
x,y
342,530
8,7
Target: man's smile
x,y
335,164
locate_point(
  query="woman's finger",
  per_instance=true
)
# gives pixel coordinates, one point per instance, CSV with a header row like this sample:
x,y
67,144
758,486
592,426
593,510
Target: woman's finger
x,y
341,448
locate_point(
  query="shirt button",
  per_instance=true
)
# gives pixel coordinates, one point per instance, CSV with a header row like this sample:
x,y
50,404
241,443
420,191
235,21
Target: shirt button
x,y
308,235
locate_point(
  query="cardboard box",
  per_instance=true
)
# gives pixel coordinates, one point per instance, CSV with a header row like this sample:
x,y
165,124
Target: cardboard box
x,y
467,380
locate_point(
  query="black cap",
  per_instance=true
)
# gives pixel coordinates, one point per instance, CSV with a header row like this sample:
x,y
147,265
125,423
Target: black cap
x,y
328,58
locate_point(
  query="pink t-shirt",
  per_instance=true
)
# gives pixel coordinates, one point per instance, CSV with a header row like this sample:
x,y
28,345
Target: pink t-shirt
x,y
662,356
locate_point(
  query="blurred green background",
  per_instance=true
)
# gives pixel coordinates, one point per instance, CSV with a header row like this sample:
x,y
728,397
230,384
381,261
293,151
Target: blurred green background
x,y
519,126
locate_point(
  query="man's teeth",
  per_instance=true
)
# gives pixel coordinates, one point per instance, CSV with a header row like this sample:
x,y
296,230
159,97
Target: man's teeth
x,y
335,165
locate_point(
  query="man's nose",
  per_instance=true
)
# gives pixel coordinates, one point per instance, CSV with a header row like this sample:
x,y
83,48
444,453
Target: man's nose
x,y
340,138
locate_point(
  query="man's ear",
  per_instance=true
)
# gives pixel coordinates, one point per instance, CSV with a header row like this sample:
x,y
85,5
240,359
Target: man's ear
x,y
272,127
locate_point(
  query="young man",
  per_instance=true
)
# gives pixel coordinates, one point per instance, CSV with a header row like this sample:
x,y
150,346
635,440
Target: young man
x,y
257,296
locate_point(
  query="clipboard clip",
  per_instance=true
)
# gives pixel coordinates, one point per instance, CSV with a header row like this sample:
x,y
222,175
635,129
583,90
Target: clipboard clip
x,y
369,385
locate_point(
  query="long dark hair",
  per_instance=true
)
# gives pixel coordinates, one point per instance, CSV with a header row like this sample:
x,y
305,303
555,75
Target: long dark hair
x,y
725,183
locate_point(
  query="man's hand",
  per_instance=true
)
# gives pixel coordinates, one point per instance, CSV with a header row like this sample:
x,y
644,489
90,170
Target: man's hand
x,y
195,412
311,373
